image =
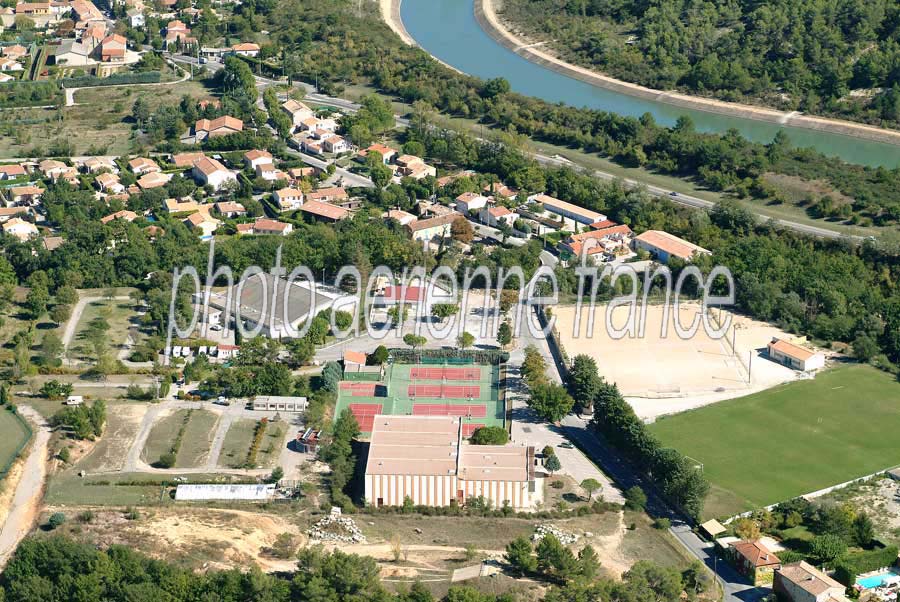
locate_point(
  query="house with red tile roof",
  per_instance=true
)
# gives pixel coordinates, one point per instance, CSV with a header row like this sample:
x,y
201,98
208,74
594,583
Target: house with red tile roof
x,y
755,561
220,126
324,212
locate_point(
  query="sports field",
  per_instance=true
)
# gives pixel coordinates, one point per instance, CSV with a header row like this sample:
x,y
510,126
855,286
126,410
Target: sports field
x,y
791,440
658,363
469,391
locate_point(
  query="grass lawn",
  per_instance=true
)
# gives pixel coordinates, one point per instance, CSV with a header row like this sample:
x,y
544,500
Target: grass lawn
x,y
117,313
237,444
14,435
270,449
197,439
162,436
792,439
103,490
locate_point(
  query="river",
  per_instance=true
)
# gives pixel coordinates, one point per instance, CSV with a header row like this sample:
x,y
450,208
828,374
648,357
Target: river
x,y
448,30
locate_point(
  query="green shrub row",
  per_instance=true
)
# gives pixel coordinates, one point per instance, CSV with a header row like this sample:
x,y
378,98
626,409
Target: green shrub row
x,y
487,356
862,562
89,81
259,432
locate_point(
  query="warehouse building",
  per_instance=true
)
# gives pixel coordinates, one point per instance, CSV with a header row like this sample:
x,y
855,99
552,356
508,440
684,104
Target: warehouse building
x,y
204,492
426,459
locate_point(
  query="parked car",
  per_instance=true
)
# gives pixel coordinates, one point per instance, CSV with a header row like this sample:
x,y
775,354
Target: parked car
x,y
566,445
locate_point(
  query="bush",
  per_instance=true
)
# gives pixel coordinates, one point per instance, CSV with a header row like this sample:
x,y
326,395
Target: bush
x,y
635,498
86,517
662,523
557,484
490,435
862,562
167,460
56,520
87,81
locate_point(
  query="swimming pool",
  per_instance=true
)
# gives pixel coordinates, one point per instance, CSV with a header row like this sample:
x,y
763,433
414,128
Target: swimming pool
x,y
874,581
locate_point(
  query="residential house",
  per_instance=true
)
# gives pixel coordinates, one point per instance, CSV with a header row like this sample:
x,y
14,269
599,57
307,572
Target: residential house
x,y
96,164
264,225
135,18
25,195
142,165
7,64
230,209
112,49
575,214
176,30
500,190
11,172
181,205
246,49
663,246
401,217
269,172
20,229
51,168
220,126
5,77
426,230
601,246
128,216
495,216
108,182
15,52
288,199
410,166
802,582
755,561
795,356
32,9
386,152
72,53
308,145
6,213
256,157
186,160
328,195
210,172
335,144
204,224
51,243
298,173
324,212
154,179
470,202
297,111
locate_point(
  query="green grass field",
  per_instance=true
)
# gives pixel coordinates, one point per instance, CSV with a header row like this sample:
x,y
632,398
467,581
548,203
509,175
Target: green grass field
x,y
198,436
237,444
14,435
790,440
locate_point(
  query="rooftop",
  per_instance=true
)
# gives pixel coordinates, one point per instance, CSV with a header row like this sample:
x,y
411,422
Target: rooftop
x,y
791,350
756,553
324,209
808,578
671,244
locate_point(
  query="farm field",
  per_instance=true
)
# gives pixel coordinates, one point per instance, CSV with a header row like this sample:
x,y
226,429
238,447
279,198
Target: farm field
x,y
792,439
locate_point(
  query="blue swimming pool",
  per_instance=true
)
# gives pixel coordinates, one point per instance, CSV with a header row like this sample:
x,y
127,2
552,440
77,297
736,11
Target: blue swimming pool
x,y
875,580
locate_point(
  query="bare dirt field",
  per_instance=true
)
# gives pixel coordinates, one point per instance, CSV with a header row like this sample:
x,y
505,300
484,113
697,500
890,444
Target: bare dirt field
x,y
661,364
197,538
123,423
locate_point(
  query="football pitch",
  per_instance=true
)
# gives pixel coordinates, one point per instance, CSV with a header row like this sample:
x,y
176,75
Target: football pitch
x,y
470,391
790,440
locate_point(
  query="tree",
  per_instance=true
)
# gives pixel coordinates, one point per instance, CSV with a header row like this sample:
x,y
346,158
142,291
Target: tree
x,y
552,463
490,435
465,340
53,389
276,475
60,313
591,485
863,530
648,581
380,174
827,548
167,460
635,498
747,528
398,314
588,563
554,559
864,347
36,301
442,311
585,380
414,340
51,350
520,556
378,357
331,376
56,520
504,334
462,231
67,295
551,401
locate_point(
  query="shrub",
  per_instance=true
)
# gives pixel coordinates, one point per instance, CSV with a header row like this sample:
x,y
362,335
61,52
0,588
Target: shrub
x,y
56,520
167,460
635,498
662,523
86,517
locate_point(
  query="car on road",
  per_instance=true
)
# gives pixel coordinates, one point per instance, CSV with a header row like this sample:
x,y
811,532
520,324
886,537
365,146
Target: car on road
x,y
673,193
203,60
565,445
221,401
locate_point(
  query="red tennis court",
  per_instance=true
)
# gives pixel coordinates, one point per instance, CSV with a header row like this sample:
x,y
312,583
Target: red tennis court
x,y
470,427
444,391
360,389
449,409
365,414
442,373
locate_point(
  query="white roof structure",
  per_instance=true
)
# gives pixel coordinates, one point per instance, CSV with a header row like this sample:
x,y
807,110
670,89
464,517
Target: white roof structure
x,y
202,492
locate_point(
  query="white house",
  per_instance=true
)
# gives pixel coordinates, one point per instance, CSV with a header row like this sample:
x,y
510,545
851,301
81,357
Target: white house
x,y
795,356
257,157
20,229
211,172
470,201
335,144
297,111
494,216
289,199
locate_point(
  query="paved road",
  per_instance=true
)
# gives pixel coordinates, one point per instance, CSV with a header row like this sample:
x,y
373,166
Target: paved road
x,y
26,500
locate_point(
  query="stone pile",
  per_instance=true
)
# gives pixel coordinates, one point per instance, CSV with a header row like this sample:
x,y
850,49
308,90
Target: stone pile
x,y
335,527
548,529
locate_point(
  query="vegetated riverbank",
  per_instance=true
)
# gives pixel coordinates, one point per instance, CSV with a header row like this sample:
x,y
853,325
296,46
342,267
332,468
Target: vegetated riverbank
x,y
487,18
390,13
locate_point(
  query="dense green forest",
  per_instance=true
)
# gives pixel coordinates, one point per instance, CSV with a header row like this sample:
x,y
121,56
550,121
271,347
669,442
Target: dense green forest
x,y
805,55
56,569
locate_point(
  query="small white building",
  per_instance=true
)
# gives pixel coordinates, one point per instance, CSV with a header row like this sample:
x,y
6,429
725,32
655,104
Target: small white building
x,y
280,403
795,356
288,199
470,201
207,492
210,172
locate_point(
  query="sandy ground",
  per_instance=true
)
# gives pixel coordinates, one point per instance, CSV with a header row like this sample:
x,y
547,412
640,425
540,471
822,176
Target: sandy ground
x,y
110,453
26,501
486,14
390,12
685,372
881,501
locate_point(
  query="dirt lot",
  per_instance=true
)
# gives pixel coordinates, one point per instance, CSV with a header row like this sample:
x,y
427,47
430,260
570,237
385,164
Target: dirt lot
x,y
661,364
197,538
880,499
123,423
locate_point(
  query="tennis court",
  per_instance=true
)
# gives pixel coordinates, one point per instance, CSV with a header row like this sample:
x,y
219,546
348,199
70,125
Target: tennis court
x,y
471,392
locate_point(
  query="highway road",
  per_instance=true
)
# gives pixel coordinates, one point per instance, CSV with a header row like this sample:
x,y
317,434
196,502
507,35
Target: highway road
x,y
678,198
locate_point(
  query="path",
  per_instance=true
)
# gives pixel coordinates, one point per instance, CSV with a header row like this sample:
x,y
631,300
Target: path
x,y
486,15
26,501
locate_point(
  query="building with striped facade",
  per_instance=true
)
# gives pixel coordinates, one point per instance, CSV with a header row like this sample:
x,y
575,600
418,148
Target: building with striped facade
x,y
426,459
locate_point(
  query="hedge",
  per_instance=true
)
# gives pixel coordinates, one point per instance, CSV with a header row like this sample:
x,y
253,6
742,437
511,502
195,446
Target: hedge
x,y
88,81
484,356
862,562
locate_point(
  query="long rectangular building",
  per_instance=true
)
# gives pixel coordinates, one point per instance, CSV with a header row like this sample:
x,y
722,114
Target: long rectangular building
x,y
426,459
